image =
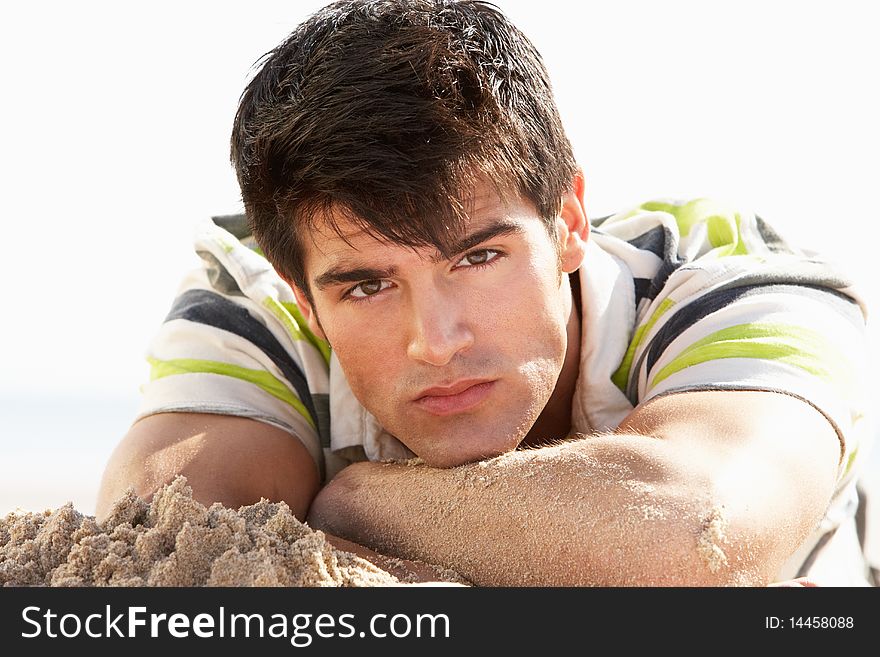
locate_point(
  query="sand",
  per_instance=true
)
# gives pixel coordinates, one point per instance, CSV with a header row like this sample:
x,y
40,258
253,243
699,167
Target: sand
x,y
712,537
176,541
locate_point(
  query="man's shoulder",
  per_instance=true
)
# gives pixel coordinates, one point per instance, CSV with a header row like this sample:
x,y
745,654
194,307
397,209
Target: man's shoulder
x,y
685,230
688,247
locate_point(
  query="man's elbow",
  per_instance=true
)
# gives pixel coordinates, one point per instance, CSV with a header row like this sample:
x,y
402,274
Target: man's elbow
x,y
675,522
703,550
712,540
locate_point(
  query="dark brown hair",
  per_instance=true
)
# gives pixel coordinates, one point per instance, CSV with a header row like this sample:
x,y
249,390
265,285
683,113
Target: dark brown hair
x,y
391,112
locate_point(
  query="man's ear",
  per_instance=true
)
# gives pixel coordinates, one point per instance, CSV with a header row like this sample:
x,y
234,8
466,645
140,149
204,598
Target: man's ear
x,y
572,226
308,313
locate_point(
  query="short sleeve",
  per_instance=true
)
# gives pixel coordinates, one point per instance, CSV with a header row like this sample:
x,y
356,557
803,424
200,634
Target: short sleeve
x,y
803,340
234,344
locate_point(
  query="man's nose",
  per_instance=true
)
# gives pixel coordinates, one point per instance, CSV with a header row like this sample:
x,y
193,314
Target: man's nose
x,y
440,329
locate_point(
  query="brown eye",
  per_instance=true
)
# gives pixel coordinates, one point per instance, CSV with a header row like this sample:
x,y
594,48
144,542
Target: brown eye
x,y
477,258
371,287
367,289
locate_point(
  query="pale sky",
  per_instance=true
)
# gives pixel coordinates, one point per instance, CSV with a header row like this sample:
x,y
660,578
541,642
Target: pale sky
x,y
116,119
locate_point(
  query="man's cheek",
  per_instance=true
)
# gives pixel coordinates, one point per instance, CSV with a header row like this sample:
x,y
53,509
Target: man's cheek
x,y
373,384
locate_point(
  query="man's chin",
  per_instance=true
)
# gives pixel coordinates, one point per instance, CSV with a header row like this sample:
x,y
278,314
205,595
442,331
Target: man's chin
x,y
452,457
457,440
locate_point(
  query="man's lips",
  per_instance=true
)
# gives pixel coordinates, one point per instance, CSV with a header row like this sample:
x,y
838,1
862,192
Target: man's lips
x,y
459,397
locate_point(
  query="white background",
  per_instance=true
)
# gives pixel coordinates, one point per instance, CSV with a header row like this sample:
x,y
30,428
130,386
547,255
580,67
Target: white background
x,y
116,119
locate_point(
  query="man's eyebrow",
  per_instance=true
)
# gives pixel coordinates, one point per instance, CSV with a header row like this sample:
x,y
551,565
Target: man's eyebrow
x,y
499,228
338,274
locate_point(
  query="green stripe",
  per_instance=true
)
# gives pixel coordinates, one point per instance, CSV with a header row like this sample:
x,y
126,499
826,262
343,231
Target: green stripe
x,y
285,318
621,376
669,208
226,246
850,461
289,315
261,378
724,234
321,345
794,345
722,225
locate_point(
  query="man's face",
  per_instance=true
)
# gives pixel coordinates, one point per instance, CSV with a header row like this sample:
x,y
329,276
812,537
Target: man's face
x,y
456,356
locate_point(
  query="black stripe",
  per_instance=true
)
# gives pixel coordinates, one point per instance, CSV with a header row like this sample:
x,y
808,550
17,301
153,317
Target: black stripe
x,y
219,277
688,315
663,243
322,419
642,288
655,241
803,271
237,224
861,514
771,238
211,309
666,270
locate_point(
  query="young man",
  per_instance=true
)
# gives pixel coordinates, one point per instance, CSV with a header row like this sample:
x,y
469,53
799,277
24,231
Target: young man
x,y
672,397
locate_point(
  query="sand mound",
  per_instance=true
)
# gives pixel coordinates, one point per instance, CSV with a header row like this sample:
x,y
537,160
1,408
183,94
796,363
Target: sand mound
x,y
176,541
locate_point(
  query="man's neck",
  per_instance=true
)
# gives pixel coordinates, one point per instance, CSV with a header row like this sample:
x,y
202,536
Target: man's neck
x,y
554,422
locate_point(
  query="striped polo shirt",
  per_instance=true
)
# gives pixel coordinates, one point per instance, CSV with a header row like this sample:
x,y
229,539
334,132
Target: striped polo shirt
x,y
674,295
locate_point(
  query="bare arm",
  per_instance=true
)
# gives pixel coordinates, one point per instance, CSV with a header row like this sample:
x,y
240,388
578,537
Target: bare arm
x,y
225,459
700,488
